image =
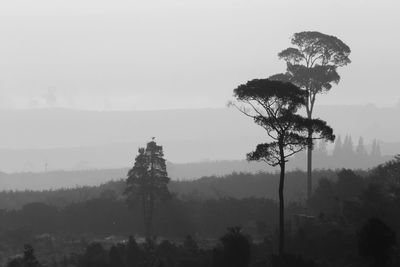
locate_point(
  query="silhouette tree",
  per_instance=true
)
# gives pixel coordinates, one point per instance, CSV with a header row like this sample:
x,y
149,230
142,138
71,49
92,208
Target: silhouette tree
x,y
323,199
28,259
312,65
233,250
388,175
376,150
134,255
273,105
361,153
337,149
95,256
190,244
115,257
376,241
147,181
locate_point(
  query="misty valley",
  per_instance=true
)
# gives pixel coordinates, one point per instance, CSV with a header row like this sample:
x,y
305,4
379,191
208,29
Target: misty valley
x,y
227,133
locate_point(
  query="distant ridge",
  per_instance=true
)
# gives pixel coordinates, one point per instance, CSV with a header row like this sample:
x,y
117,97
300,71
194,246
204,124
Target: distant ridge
x,y
76,139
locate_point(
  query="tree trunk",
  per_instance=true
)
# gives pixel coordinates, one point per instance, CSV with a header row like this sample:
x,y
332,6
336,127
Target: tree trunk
x,y
309,160
309,166
147,230
281,210
144,216
150,221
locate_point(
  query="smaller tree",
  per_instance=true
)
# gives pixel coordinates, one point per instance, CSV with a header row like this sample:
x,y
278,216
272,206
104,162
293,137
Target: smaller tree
x,y
28,260
360,149
337,149
348,147
147,181
234,249
190,244
115,257
273,105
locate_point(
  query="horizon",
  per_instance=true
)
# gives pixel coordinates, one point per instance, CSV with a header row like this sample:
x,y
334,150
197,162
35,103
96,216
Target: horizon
x,y
45,108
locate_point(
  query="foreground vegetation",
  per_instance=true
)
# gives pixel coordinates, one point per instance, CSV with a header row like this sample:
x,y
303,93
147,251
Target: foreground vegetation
x,y
326,231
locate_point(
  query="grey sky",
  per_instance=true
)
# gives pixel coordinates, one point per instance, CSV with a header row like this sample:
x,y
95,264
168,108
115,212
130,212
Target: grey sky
x,y
161,54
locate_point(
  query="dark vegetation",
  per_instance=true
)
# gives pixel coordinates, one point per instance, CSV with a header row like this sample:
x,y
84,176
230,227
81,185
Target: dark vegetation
x,y
260,184
331,232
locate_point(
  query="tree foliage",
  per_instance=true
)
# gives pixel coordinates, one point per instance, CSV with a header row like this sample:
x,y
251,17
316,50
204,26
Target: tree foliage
x,y
313,61
234,249
147,181
273,105
312,65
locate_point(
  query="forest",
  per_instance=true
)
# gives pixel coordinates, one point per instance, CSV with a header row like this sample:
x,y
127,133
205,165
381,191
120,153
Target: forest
x,y
319,199
91,232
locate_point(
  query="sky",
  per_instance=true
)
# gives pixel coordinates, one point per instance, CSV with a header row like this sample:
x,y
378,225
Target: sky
x,y
173,54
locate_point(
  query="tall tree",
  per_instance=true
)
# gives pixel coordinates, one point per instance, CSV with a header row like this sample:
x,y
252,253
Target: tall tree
x,y
147,181
312,65
273,105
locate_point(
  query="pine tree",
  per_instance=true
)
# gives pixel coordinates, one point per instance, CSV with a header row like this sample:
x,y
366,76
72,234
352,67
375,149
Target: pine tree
x,y
312,63
360,150
147,181
376,150
338,148
273,105
348,148
29,258
322,148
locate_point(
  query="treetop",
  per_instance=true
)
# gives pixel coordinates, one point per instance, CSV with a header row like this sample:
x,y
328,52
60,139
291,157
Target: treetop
x,y
313,46
268,92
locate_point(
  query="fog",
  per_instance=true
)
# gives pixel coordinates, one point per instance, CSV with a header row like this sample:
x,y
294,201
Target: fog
x,y
224,133
151,55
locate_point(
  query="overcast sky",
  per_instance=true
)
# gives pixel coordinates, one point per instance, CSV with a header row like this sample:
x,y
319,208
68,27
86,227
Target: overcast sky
x,y
167,54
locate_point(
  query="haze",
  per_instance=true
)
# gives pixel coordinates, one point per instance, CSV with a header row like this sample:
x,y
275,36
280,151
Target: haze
x,y
135,55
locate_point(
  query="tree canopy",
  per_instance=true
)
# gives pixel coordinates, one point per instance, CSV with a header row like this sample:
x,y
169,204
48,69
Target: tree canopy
x,y
311,64
273,105
147,181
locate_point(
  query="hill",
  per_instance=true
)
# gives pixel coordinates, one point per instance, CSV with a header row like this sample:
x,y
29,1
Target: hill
x,y
33,140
